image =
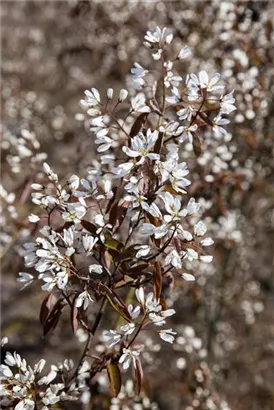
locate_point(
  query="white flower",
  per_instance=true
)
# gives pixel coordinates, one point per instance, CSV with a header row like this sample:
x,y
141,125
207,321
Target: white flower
x,y
122,169
157,231
188,277
99,220
95,269
141,145
167,335
204,81
206,258
88,243
25,404
185,52
83,300
143,250
138,72
207,242
37,187
175,98
149,303
134,312
59,279
192,206
152,209
171,79
173,207
92,98
111,337
158,36
4,341
200,228
74,182
227,103
191,254
33,218
128,329
138,103
174,258
217,122
74,213
187,133
123,95
129,356
25,278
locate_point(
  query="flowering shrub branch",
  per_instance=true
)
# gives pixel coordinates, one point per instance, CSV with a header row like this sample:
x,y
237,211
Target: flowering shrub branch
x,y
113,238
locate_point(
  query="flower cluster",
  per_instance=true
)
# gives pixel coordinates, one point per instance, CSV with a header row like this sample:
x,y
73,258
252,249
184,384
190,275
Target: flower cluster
x,y
129,223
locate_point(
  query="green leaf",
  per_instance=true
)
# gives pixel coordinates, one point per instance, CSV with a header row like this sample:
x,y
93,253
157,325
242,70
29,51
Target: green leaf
x,y
114,376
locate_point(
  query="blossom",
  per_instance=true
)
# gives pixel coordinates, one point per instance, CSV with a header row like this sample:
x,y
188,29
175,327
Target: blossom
x,y
83,300
171,79
174,259
52,279
200,228
92,98
25,278
141,145
173,207
128,356
138,103
95,268
188,277
157,231
138,74
74,213
33,218
207,242
192,206
143,250
167,335
111,337
227,103
158,36
204,82
88,243
185,52
187,133
218,121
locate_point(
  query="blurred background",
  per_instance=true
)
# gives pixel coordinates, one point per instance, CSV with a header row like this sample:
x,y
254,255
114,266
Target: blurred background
x,y
223,357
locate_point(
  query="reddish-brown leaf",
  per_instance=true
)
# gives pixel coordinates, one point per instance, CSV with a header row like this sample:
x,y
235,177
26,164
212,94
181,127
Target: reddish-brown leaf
x,y
74,315
89,227
138,123
157,279
138,376
117,303
46,307
53,317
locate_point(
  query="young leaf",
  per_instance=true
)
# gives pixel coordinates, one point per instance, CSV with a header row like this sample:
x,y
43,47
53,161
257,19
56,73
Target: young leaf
x,y
73,315
45,307
117,304
138,376
138,123
54,316
114,376
197,148
157,279
89,227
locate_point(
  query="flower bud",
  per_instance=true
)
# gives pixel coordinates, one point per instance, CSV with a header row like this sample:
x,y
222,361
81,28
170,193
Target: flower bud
x,y
123,95
110,93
